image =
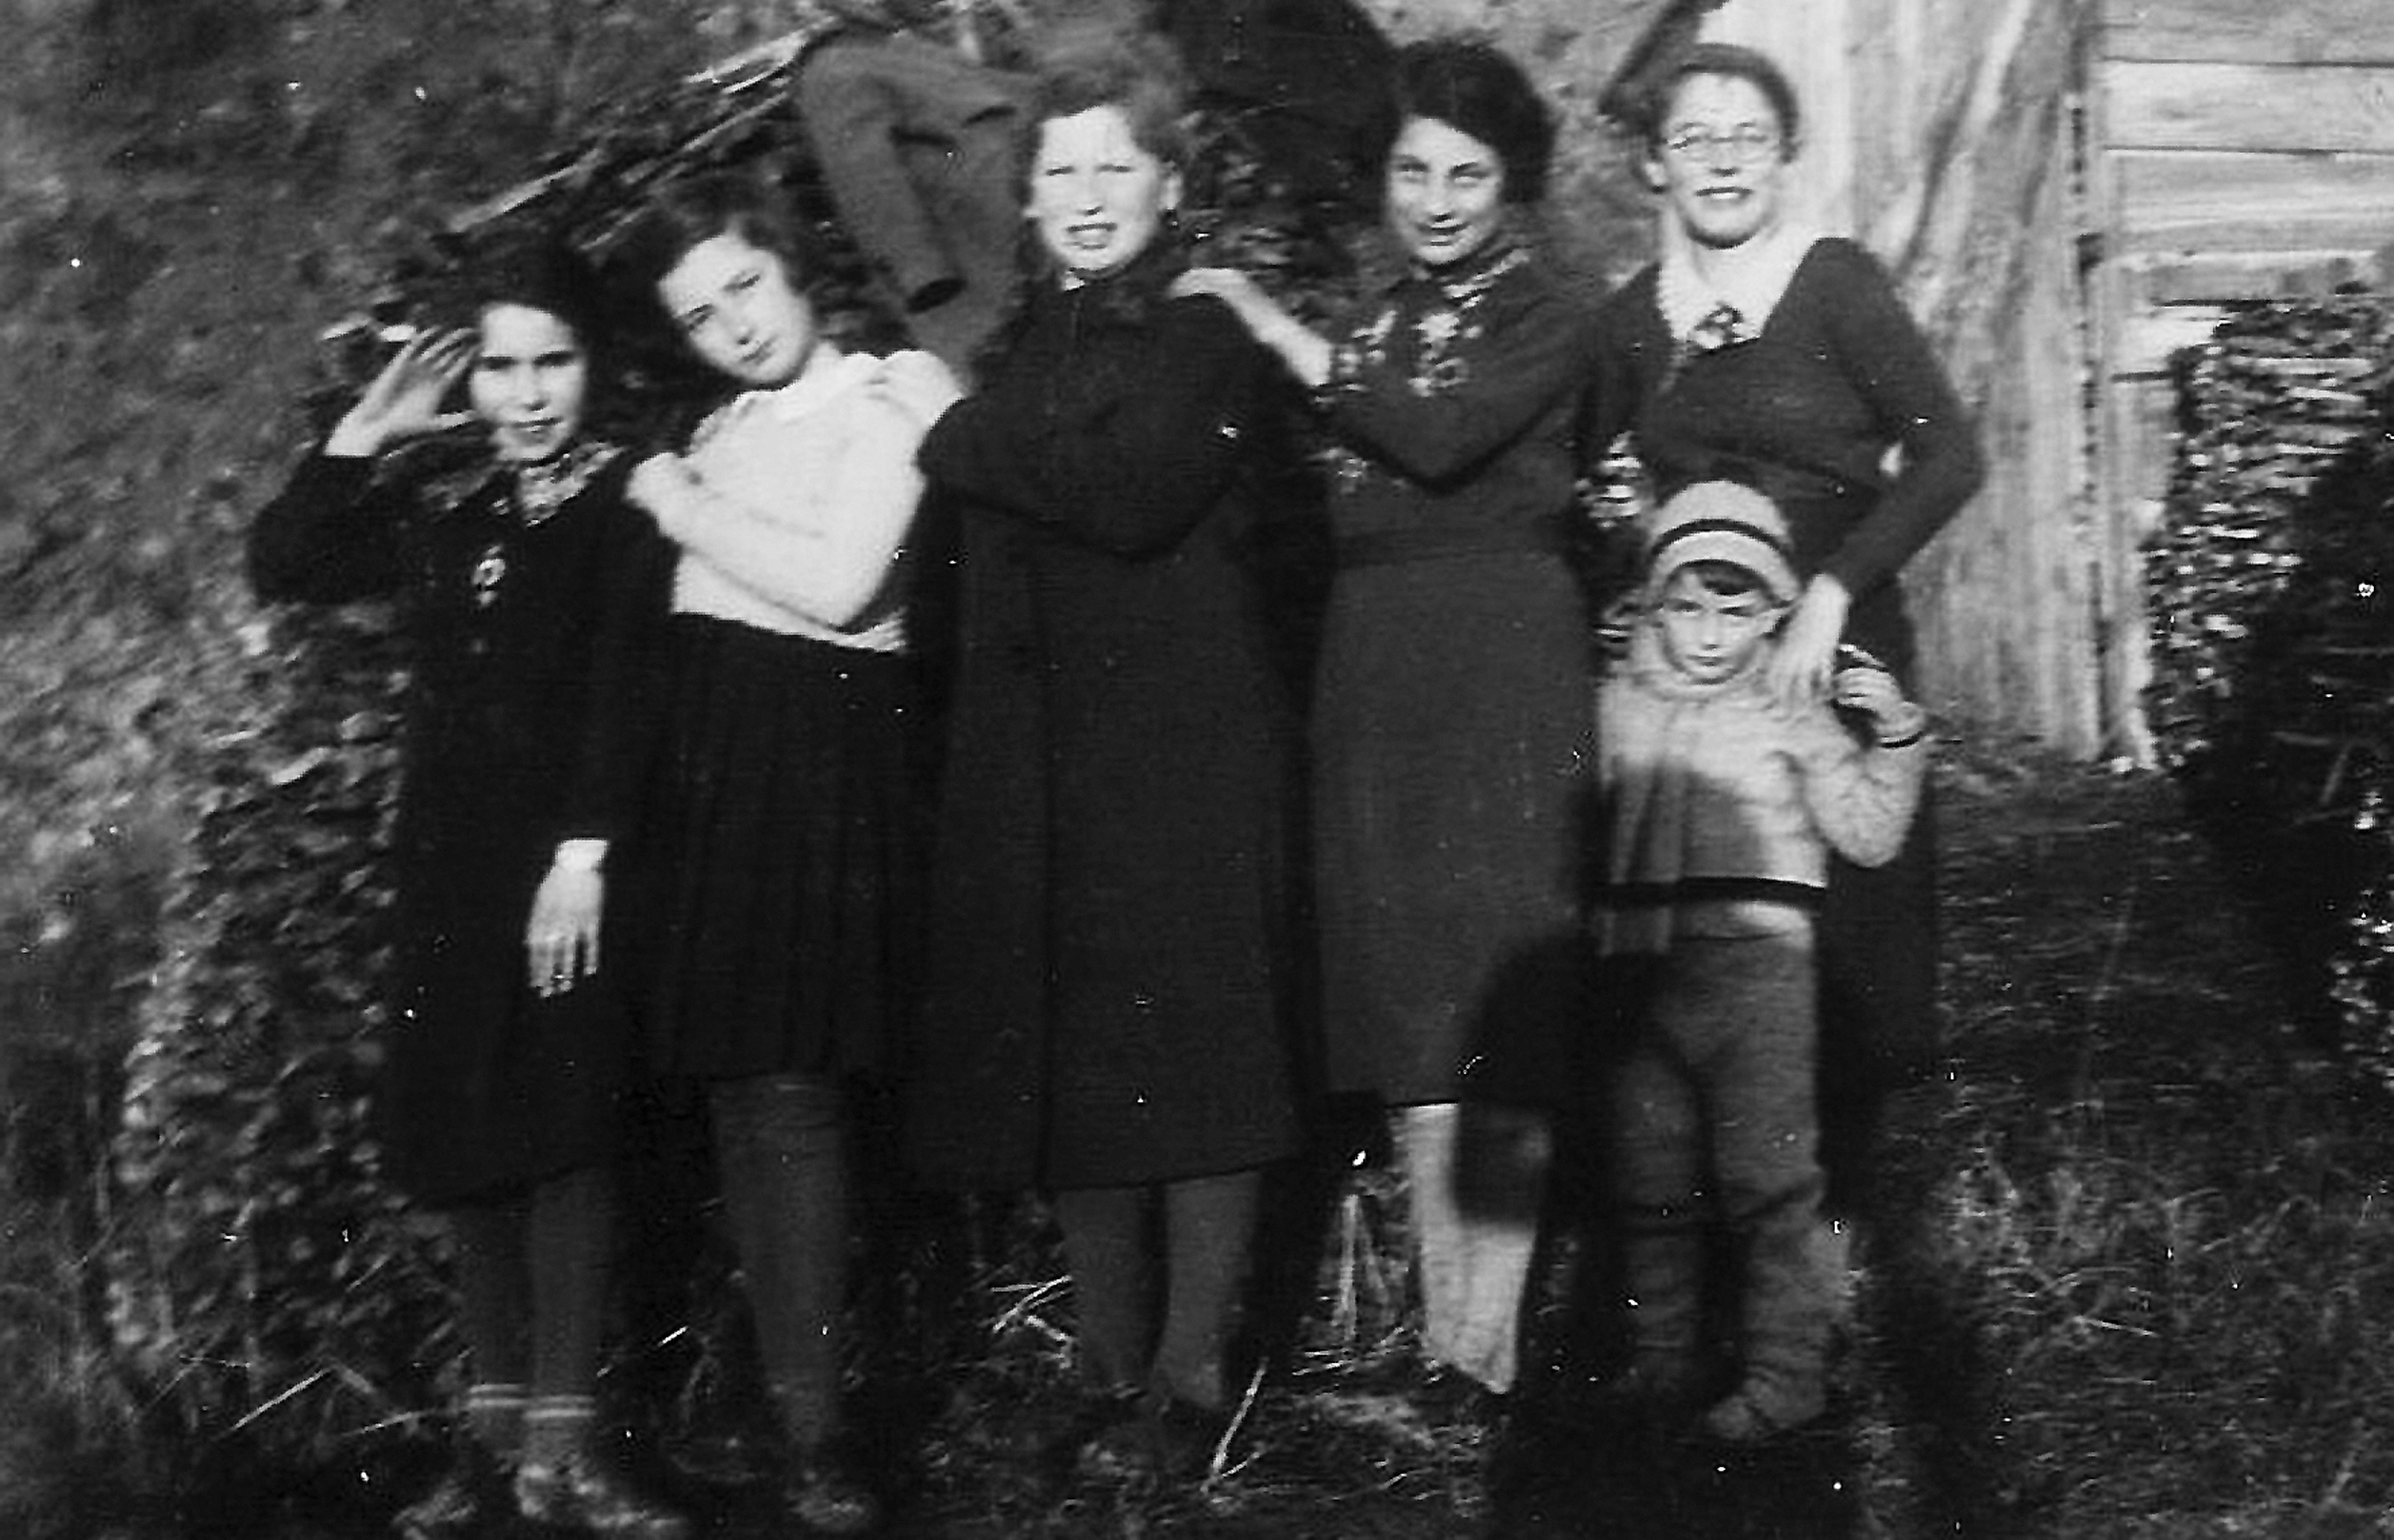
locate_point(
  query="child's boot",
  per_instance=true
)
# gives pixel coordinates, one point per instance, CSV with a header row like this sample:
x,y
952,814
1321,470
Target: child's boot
x,y
1664,1262
1791,1310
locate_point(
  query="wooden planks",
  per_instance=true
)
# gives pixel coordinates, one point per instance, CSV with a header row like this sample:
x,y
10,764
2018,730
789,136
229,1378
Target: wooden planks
x,y
2300,31
2250,105
2220,201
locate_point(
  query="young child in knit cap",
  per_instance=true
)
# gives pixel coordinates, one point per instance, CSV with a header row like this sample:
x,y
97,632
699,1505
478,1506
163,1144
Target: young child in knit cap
x,y
1722,805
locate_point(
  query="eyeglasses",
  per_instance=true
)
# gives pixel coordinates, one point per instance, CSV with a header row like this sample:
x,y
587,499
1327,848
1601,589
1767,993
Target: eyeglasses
x,y
1741,145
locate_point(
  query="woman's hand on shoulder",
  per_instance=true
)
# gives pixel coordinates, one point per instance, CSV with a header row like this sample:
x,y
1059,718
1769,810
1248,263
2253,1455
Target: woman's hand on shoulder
x,y
663,486
404,400
919,384
1306,355
1801,669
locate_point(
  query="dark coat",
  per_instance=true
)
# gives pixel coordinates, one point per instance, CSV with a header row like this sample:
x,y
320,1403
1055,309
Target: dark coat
x,y
1106,1002
524,726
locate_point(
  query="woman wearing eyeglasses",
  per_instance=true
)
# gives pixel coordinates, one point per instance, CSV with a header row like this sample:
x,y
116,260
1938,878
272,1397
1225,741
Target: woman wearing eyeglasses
x,y
1762,351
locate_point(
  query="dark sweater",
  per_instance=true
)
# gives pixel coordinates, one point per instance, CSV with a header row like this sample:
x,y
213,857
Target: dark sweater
x,y
1806,413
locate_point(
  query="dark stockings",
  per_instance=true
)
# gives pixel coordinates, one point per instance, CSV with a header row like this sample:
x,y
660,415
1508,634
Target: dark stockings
x,y
1208,1225
532,1271
781,1147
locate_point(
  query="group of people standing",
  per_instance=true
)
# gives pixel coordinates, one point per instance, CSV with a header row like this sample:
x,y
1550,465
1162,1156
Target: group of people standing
x,y
935,724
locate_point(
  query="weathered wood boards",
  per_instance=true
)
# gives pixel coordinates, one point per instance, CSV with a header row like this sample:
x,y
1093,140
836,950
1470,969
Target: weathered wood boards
x,y
2239,151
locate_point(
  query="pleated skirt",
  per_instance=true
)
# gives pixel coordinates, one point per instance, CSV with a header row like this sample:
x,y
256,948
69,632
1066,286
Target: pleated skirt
x,y
782,868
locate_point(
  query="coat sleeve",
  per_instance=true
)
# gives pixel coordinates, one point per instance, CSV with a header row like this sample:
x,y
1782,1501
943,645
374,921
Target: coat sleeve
x,y
1439,427
1862,798
624,726
1130,472
1623,361
1891,363
830,571
332,534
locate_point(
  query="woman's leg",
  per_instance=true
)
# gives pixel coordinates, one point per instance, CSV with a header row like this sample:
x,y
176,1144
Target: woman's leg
x,y
564,1482
1106,1245
494,1316
1209,1228
781,1147
1476,1177
573,1233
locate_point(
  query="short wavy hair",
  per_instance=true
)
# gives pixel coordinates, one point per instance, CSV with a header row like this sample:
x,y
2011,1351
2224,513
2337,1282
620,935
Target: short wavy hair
x,y
1651,109
1471,86
1090,65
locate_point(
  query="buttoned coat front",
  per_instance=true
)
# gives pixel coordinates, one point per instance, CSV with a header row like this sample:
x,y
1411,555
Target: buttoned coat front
x,y
1109,928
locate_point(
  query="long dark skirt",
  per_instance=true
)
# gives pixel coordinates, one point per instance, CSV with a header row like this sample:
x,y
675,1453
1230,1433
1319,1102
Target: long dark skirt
x,y
783,856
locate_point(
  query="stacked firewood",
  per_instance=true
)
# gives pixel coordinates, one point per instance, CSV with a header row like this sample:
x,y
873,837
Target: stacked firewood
x,y
2272,588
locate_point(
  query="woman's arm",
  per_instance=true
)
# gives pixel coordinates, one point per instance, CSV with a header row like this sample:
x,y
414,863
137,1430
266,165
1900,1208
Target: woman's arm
x,y
829,570
1534,350
1129,472
1893,369
332,534
621,728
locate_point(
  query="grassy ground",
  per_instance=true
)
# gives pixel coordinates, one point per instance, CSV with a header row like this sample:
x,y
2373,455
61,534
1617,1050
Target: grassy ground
x,y
2130,1284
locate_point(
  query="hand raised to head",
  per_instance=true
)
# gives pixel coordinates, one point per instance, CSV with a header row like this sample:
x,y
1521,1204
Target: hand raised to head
x,y
404,400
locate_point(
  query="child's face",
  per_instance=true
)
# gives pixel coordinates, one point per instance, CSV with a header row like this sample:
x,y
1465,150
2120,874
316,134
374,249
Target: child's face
x,y
1708,636
737,305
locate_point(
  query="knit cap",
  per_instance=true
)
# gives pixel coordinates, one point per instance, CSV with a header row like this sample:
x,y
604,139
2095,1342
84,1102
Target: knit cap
x,y
1721,520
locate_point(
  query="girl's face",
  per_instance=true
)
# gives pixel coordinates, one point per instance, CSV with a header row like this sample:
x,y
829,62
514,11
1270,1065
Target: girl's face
x,y
529,379
1097,197
1722,160
1445,194
736,304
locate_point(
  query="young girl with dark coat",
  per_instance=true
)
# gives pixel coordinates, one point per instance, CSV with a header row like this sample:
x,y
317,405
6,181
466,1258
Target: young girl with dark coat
x,y
530,591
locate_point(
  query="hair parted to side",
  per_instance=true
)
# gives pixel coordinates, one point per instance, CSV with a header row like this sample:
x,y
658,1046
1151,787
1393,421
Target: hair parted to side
x,y
1731,61
1086,65
1470,85
685,215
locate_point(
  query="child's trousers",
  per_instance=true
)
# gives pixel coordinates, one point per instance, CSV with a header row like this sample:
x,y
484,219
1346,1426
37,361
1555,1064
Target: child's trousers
x,y
1713,1120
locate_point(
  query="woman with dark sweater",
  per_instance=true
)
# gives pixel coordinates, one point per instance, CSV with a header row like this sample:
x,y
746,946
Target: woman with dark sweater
x,y
1451,731
1756,351
530,588
1106,1014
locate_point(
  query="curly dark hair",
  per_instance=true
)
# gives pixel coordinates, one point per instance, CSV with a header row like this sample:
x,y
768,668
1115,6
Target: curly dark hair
x,y
1471,87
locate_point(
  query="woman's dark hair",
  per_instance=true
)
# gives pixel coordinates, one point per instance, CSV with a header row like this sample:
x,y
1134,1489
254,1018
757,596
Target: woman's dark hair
x,y
1088,64
1471,87
1731,61
534,271
686,215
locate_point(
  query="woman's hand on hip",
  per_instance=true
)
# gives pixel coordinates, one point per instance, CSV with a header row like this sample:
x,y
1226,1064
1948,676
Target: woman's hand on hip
x,y
404,400
561,943
1806,656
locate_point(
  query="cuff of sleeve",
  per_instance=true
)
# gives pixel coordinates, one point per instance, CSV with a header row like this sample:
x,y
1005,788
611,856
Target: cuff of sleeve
x,y
581,854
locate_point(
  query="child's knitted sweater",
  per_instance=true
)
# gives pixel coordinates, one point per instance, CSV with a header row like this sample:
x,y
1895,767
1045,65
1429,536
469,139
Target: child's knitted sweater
x,y
1720,807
